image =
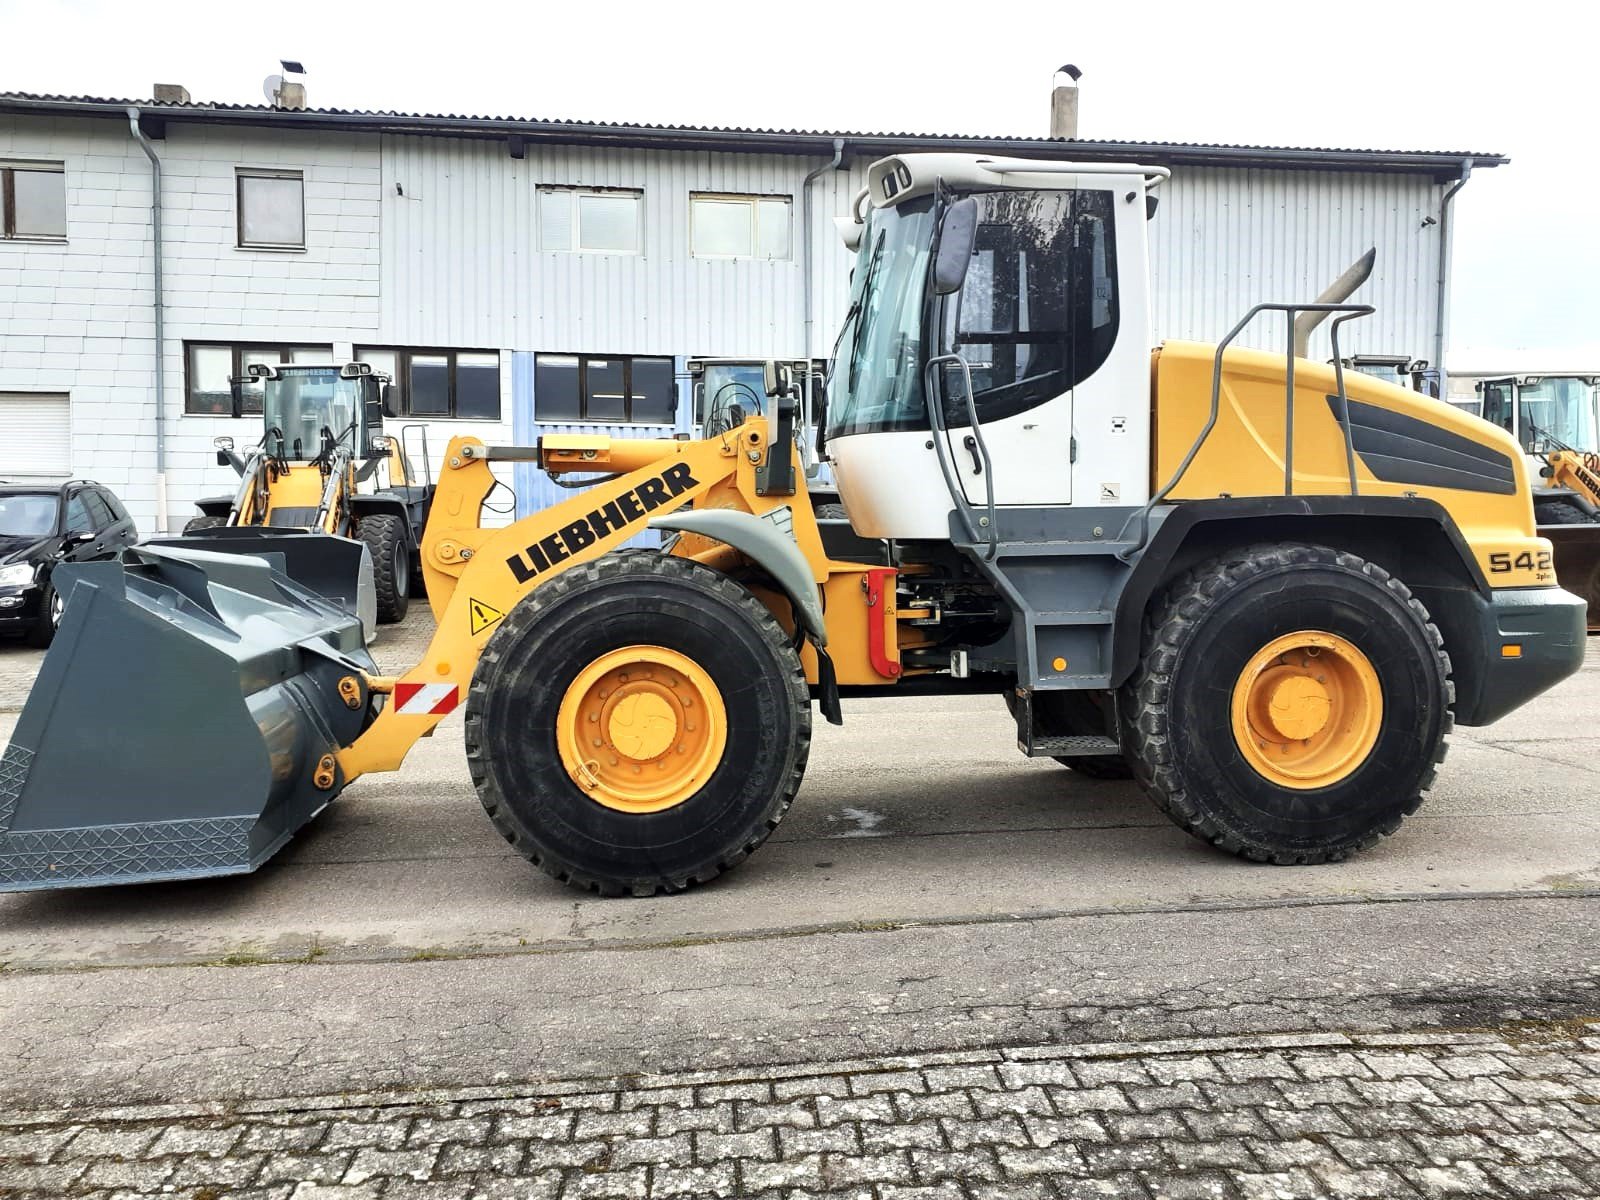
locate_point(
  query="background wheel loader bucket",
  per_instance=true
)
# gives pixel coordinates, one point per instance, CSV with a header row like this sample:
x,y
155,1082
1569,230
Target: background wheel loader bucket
x,y
338,568
1577,554
182,722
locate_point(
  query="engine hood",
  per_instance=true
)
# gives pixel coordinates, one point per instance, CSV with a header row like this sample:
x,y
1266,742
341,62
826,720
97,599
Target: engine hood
x,y
24,548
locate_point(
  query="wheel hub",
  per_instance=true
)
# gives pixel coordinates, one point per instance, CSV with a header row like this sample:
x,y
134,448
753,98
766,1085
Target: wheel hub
x,y
1307,709
641,729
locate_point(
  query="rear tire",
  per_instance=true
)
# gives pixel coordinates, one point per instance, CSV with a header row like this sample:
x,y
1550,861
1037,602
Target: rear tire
x,y
831,512
204,521
385,536
545,649
1559,512
1191,732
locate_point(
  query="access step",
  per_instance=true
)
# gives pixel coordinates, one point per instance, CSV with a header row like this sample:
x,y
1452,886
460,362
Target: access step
x,y
1069,747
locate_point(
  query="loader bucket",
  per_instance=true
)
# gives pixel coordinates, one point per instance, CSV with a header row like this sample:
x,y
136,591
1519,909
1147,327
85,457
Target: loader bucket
x,y
181,724
338,568
1577,554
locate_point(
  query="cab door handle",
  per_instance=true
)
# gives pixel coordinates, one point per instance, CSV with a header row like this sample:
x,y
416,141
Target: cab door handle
x,y
971,443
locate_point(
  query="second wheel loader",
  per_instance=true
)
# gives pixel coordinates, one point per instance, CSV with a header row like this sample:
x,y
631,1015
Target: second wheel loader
x,y
301,489
1556,419
1268,588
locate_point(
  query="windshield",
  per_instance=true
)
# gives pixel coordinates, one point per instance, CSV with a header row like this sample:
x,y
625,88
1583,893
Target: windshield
x,y
876,382
729,393
1558,412
27,515
304,400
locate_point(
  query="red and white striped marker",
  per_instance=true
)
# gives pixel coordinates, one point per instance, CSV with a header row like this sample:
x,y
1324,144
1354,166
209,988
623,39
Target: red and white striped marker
x,y
426,699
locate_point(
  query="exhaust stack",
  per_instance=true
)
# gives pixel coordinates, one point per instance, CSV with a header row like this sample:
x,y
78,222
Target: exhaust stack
x,y
1064,103
1336,292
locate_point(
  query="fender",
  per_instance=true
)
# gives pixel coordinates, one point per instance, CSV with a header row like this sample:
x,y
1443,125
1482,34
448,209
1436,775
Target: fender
x,y
1195,529
362,504
771,550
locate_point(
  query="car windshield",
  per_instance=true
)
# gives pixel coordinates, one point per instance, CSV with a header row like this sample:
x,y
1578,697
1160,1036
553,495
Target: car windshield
x,y
28,514
876,382
303,401
1558,412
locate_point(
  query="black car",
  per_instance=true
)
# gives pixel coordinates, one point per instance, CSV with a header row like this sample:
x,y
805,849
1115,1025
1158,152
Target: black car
x,y
42,525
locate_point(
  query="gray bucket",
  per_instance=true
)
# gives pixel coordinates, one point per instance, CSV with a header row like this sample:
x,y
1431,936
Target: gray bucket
x,y
336,568
178,722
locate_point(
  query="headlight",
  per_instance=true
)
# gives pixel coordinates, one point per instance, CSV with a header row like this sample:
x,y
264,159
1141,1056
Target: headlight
x,y
16,575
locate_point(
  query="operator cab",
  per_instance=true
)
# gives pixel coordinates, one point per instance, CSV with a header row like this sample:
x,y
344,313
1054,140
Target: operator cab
x,y
1544,412
997,335
309,409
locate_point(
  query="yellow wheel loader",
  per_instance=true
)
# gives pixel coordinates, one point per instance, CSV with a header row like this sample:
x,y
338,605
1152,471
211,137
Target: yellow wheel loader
x,y
1268,588
1555,418
300,491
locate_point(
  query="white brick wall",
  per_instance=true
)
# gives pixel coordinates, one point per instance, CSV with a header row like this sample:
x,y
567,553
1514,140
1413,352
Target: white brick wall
x,y
77,318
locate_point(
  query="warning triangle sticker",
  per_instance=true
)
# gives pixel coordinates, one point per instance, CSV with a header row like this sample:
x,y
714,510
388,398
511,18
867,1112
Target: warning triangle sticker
x,y
483,615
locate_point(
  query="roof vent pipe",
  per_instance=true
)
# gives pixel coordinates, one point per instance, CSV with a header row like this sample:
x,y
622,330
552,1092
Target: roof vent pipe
x,y
1064,102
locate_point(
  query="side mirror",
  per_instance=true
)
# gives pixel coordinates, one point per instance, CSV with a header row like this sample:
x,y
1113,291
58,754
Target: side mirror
x,y
391,406
778,377
236,389
958,233
79,536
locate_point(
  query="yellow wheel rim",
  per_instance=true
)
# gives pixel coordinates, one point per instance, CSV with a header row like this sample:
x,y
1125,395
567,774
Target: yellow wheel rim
x,y
641,729
1307,709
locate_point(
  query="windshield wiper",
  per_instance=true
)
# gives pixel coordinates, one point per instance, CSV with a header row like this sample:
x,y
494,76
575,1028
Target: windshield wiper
x,y
860,307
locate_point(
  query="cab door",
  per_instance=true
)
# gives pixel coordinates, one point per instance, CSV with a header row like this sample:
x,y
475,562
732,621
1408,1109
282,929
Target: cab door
x,y
1034,317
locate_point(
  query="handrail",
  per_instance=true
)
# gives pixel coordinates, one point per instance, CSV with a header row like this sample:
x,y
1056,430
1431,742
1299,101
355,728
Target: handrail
x,y
1290,311
942,450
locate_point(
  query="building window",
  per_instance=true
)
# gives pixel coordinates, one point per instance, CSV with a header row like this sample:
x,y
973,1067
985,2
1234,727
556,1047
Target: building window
x,y
210,367
439,383
599,222
739,226
606,388
33,201
272,210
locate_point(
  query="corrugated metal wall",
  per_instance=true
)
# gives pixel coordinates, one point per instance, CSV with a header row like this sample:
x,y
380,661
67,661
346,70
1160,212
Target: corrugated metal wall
x,y
1223,240
462,267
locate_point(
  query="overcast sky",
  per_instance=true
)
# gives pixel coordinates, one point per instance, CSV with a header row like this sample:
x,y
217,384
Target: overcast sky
x,y
1517,79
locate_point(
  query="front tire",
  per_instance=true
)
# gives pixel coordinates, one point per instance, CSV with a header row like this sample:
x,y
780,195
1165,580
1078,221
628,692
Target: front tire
x,y
385,536
1291,704
51,606
582,748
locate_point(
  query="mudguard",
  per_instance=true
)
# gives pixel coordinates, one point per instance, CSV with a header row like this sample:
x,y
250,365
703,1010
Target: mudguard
x,y
769,546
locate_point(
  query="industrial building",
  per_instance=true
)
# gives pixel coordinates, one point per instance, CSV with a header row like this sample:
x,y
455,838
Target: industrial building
x,y
522,276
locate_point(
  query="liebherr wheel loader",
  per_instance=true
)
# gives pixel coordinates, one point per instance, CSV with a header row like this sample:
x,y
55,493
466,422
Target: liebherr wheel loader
x,y
1556,418
1268,587
300,492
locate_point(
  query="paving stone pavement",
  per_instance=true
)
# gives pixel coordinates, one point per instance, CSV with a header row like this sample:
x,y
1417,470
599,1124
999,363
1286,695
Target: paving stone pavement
x,y
1515,1113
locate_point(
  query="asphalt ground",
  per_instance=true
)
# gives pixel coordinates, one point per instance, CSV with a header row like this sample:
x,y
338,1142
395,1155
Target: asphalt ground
x,y
931,890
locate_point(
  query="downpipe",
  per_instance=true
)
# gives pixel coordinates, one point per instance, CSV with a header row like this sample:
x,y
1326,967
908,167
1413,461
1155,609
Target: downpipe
x,y
158,304
807,288
1441,311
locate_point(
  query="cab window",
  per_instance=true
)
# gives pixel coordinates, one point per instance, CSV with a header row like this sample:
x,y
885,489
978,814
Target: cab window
x,y
1037,313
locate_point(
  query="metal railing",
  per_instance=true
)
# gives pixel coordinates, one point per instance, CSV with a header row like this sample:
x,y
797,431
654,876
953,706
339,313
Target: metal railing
x,y
980,529
1349,312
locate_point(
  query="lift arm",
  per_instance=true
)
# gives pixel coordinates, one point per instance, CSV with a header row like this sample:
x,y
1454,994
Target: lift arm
x,y
475,576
